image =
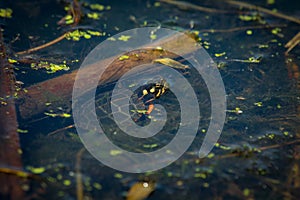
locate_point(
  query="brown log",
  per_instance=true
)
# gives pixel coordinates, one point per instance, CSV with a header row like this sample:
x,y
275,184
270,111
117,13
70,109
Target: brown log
x,y
58,91
10,185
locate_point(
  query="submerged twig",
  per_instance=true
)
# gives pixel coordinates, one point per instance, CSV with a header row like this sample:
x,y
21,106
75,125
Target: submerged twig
x,y
60,38
186,5
261,149
75,15
264,10
19,173
292,43
61,129
240,28
79,186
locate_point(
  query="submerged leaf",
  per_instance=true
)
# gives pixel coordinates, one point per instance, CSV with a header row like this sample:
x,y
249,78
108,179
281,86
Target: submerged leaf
x,y
140,190
124,38
171,63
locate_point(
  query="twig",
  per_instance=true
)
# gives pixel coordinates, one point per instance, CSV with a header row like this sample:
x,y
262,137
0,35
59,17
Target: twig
x,y
261,149
75,12
292,43
279,145
79,186
60,38
261,9
240,28
186,5
61,129
19,173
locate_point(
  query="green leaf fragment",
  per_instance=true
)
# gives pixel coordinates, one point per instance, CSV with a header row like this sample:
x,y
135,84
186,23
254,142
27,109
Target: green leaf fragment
x,y
200,175
95,33
111,39
124,38
54,68
156,4
98,186
12,61
150,146
220,54
247,17
206,185
210,155
263,46
115,152
118,175
37,170
77,34
94,15
255,60
67,182
6,12
68,17
65,115
139,111
124,57
246,192
249,32
153,36
277,31
87,36
22,131
258,104
99,7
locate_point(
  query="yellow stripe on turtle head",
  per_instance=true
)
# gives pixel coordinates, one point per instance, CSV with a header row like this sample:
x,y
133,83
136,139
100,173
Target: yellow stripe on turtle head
x,y
145,92
158,93
152,90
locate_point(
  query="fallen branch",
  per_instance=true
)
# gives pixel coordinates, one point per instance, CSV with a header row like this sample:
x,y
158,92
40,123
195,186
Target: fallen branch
x,y
58,91
9,138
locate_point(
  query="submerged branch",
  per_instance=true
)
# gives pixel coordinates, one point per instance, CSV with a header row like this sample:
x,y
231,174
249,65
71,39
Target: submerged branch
x,y
10,150
79,186
60,38
229,30
264,10
185,5
292,43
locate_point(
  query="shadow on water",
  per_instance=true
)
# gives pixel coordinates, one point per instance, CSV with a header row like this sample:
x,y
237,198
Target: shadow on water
x,y
257,155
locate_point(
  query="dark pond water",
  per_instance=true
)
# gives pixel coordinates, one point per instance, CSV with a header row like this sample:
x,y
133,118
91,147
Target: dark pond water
x,y
257,154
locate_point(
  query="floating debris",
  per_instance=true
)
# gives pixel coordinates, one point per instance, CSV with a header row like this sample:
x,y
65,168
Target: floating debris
x,y
171,63
6,12
140,190
124,38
